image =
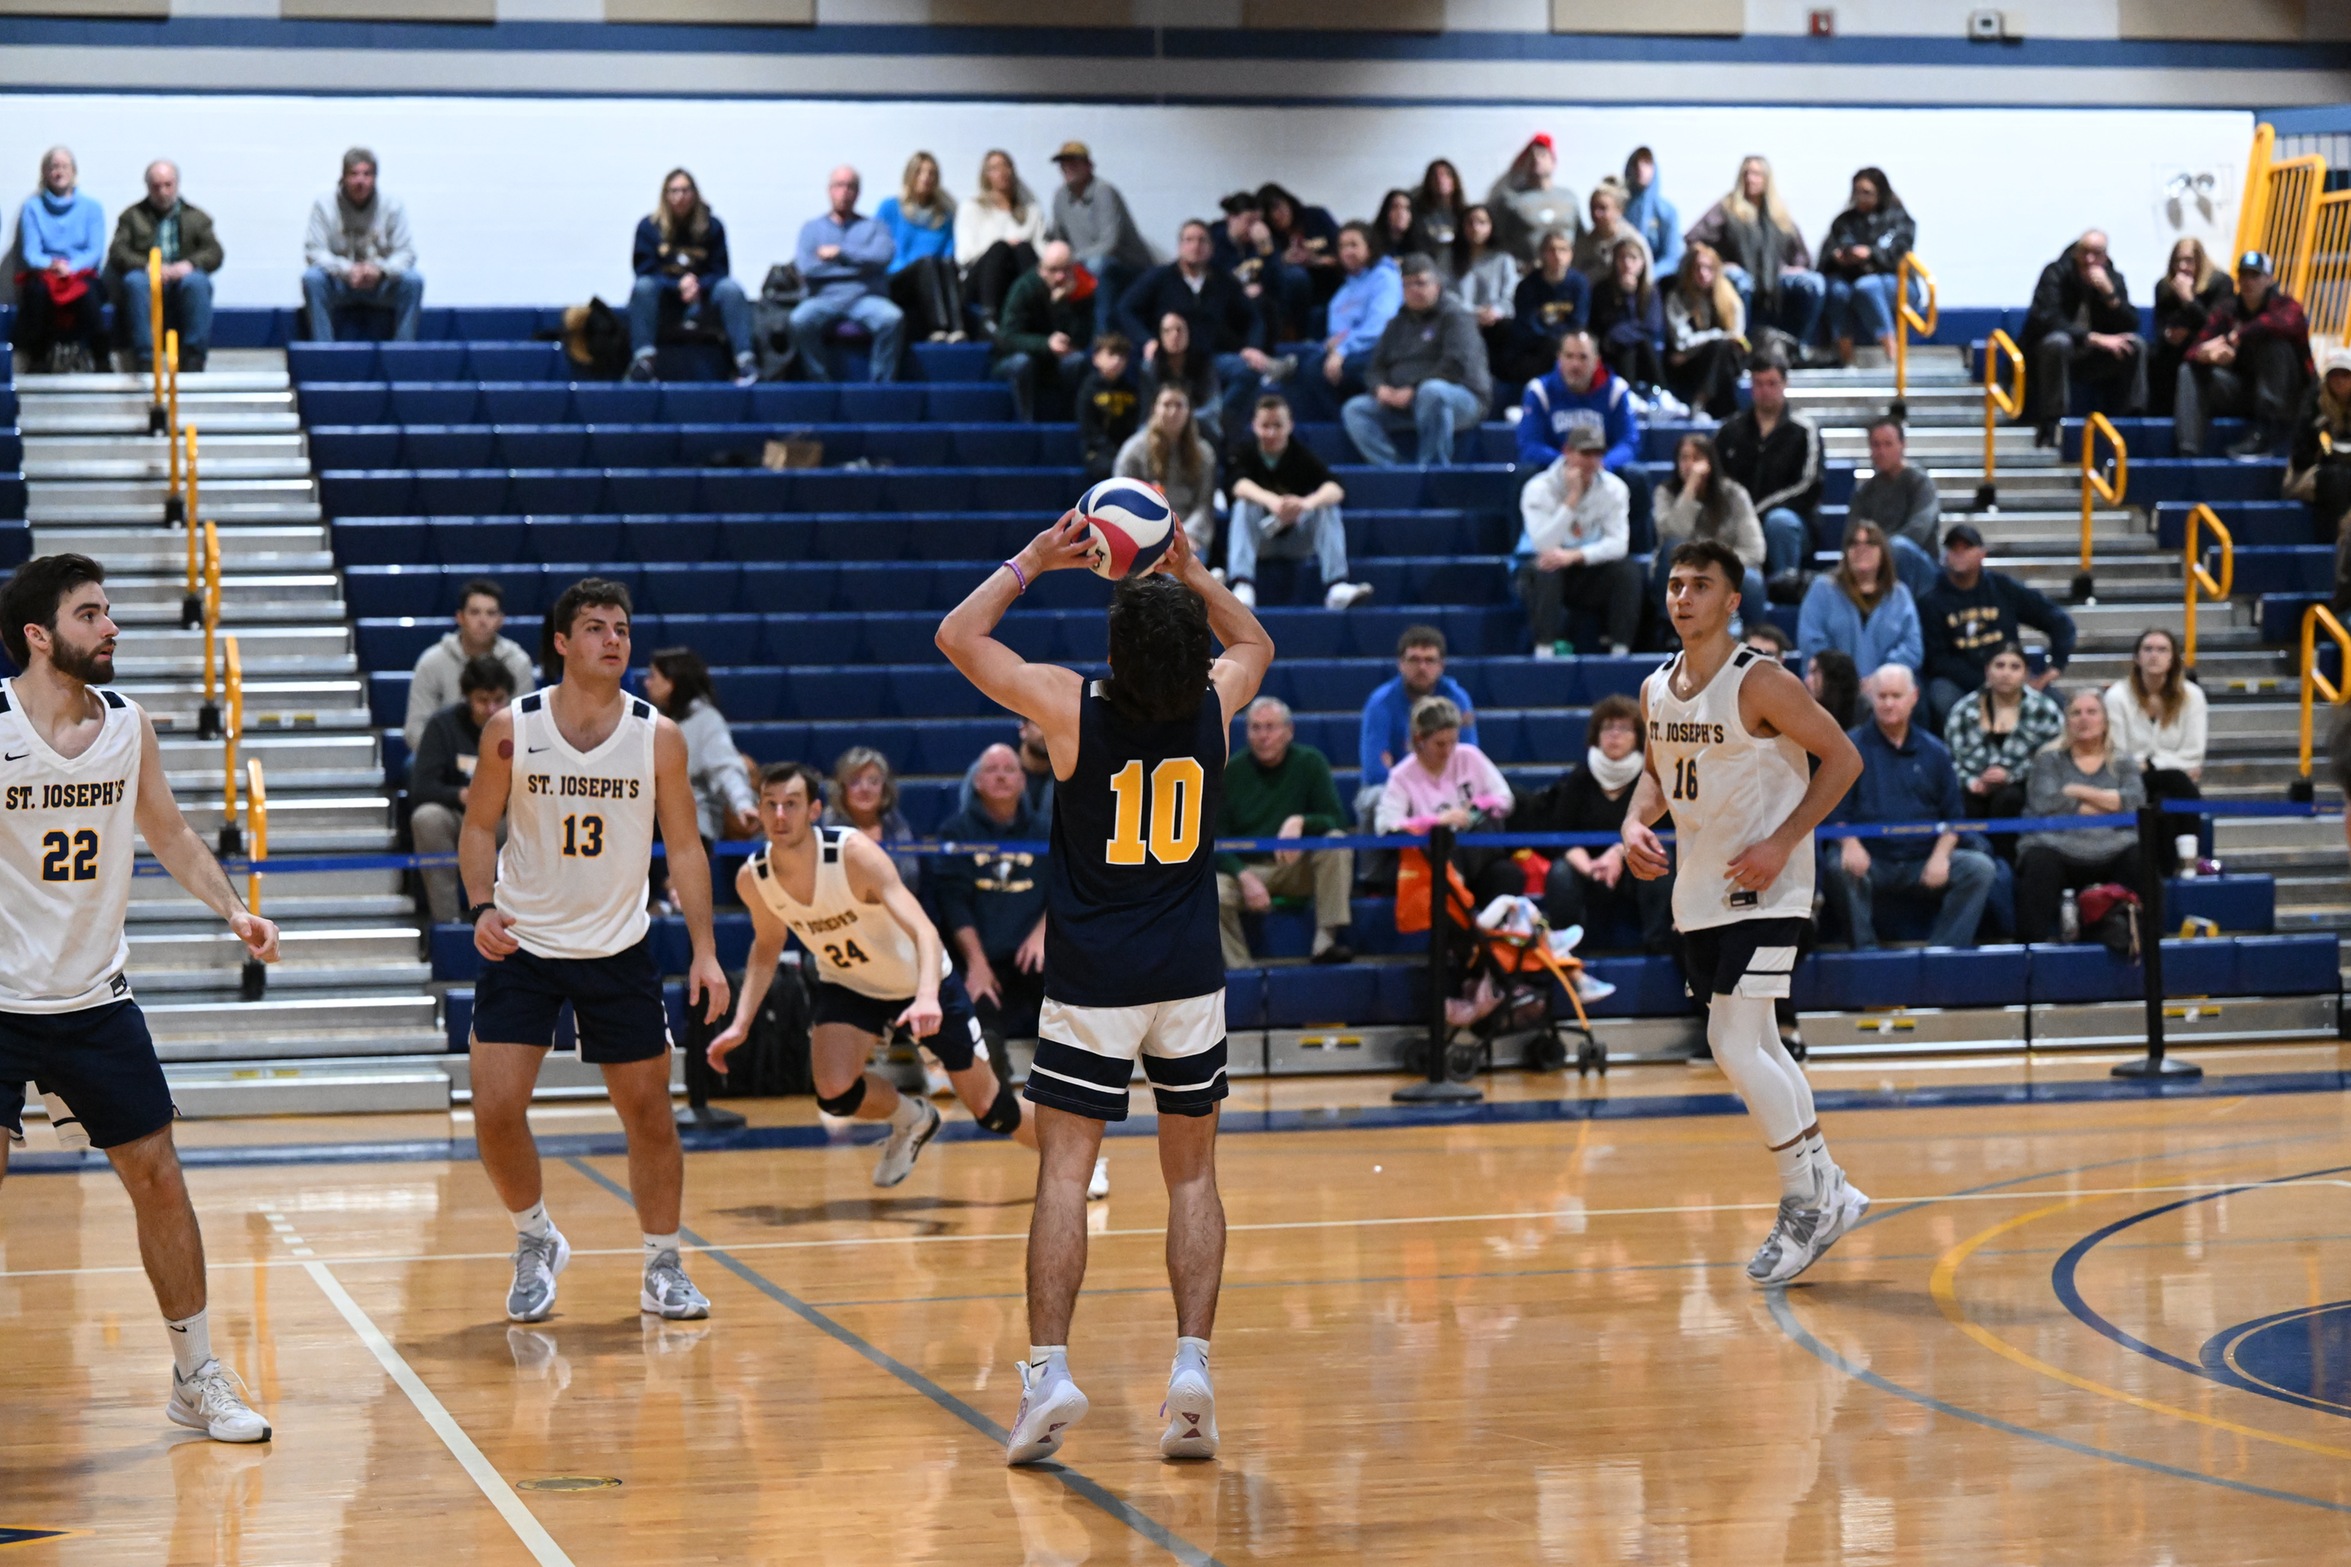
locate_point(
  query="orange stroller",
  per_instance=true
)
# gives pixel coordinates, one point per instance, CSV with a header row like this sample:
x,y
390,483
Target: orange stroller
x,y
1518,975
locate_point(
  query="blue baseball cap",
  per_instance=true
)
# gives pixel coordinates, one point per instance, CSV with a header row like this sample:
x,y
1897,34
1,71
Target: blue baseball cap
x,y
2254,261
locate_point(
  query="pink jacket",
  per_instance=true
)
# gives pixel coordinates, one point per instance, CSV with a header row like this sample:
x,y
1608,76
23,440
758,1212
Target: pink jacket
x,y
1412,798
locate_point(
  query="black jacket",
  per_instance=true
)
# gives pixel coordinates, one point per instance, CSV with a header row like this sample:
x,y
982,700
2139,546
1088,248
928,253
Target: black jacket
x,y
1108,412
1619,321
2189,315
1781,469
1888,232
1220,315
444,756
2313,422
1000,897
1963,627
2062,302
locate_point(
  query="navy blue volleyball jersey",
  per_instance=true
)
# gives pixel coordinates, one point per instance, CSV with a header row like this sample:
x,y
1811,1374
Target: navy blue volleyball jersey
x,y
1130,890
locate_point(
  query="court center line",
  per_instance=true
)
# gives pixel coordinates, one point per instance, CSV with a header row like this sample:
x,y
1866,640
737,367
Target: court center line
x,y
534,1536
1091,1490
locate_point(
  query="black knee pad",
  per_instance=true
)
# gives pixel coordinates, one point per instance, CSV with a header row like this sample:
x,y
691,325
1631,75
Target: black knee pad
x,y
846,1102
1003,1117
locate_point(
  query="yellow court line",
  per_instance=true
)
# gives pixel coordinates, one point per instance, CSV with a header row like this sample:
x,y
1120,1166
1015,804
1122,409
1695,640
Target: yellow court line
x,y
1943,1284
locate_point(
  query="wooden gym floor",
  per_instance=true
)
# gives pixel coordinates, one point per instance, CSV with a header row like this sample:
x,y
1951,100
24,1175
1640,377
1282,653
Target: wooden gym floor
x,y
2079,1327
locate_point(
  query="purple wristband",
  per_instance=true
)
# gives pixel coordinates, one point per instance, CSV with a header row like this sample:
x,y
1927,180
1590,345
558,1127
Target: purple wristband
x,y
1018,575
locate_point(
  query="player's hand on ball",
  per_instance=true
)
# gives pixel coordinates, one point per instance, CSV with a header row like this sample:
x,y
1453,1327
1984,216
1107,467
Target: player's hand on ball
x,y
1758,865
1068,543
1179,562
726,1042
1644,853
706,980
490,937
922,1018
260,936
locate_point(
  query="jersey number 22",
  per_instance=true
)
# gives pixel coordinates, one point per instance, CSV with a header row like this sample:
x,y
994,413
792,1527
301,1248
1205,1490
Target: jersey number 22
x,y
71,857
1177,792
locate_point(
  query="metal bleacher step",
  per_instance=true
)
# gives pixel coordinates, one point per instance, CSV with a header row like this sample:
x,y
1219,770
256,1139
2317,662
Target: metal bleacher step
x,y
162,652
311,1086
290,598
141,501
152,451
325,702
135,549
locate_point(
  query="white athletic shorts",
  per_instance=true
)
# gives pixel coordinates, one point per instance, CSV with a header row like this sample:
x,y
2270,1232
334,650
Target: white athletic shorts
x,y
1087,1055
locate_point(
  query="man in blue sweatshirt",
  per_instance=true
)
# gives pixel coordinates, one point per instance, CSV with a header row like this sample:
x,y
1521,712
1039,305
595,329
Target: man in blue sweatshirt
x,y
1360,311
1386,737
1906,776
1580,391
63,237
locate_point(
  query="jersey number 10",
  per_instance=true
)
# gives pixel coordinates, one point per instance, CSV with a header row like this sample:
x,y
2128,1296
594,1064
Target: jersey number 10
x,y
1178,788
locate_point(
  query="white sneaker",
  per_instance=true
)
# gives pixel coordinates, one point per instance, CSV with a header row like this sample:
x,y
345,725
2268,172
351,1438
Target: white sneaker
x,y
1246,592
1801,1235
1050,1407
537,1260
669,1294
898,1154
1099,1187
1190,1412
213,1401
1590,988
1546,650
1346,595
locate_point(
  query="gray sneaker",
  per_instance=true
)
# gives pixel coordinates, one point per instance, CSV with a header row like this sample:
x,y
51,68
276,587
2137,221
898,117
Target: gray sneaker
x,y
537,1260
668,1293
1791,1229
898,1153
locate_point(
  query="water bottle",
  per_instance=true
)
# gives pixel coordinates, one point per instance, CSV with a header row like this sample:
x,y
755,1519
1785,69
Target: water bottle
x,y
2069,918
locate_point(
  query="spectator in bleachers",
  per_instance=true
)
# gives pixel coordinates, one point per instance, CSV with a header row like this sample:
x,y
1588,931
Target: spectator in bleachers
x,y
1595,247
1387,714
1397,228
1702,503
1628,321
1971,612
1036,770
2184,298
1835,683
2081,772
1528,206
1281,789
1579,391
358,252
1903,501
1170,452
992,906
2158,716
1448,781
1429,373
1591,887
1552,300
1705,334
440,776
1906,776
1370,292
2319,470
2082,324
1285,505
864,795
925,283
1994,732
1651,215
678,682
1765,636
1092,216
1862,609
1109,406
1308,237
191,254
1213,306
61,243
1763,254
1437,206
1243,247
844,258
2252,359
681,254
1776,454
1039,342
481,621
1862,260
1175,361
996,236
1485,276
1573,551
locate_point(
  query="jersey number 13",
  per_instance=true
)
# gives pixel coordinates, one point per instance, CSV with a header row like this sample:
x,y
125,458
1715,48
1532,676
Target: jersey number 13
x,y
1177,789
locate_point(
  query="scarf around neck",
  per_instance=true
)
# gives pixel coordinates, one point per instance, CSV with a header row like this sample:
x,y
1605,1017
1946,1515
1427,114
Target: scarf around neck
x,y
1612,776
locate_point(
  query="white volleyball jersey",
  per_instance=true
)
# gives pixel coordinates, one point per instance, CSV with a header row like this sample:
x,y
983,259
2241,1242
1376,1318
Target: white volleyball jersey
x,y
857,945
1728,789
66,853
579,835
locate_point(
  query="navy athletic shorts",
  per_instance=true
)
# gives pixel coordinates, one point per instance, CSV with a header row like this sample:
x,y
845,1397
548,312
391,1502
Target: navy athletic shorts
x,y
956,1044
615,1001
100,1061
1743,958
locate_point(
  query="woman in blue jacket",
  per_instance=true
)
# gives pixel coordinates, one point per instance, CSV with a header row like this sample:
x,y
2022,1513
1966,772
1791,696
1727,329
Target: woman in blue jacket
x,y
1861,609
62,236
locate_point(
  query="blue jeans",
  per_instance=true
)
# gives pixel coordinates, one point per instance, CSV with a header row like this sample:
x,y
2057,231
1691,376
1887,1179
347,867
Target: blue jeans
x,y
1798,310
1321,533
187,305
1787,541
734,312
1438,408
1112,278
812,318
1861,309
399,293
1917,569
1960,901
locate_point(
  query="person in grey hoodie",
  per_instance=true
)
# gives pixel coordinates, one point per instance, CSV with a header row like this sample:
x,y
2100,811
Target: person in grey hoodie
x,y
1903,501
481,616
1429,371
358,251
678,683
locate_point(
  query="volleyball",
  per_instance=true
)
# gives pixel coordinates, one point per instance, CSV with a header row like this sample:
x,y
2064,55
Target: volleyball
x,y
1130,523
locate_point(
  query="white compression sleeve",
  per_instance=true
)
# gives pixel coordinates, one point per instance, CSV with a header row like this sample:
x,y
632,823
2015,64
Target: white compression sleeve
x,y
1746,1041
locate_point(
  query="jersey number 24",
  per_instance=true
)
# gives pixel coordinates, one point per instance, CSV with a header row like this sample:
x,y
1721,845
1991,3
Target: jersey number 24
x,y
1177,791
71,857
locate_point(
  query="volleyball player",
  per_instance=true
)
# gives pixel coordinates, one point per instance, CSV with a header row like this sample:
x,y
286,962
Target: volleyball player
x,y
581,771
1133,962
1729,731
80,774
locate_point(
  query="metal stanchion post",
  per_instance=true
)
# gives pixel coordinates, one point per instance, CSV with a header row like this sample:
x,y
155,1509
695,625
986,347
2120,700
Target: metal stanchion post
x,y
2151,926
1439,1087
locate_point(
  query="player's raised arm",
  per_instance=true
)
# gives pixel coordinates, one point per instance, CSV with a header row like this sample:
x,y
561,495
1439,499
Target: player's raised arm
x,y
874,878
177,848
477,838
689,867
1248,650
1045,692
1773,701
1644,852
768,935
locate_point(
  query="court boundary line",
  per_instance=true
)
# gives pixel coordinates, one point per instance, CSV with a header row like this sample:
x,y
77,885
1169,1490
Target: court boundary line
x,y
528,1530
1080,1485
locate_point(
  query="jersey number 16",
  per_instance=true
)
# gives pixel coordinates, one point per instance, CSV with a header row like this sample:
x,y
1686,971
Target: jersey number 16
x,y
1685,779
1177,792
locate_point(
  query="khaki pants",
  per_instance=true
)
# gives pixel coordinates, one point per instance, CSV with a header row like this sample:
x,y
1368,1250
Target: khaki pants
x,y
1329,877
433,828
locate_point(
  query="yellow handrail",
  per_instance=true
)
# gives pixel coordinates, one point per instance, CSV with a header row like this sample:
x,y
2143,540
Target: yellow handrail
x,y
195,564
2202,518
1907,319
155,318
235,726
2313,682
210,616
256,832
2095,487
2253,204
174,504
1998,400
